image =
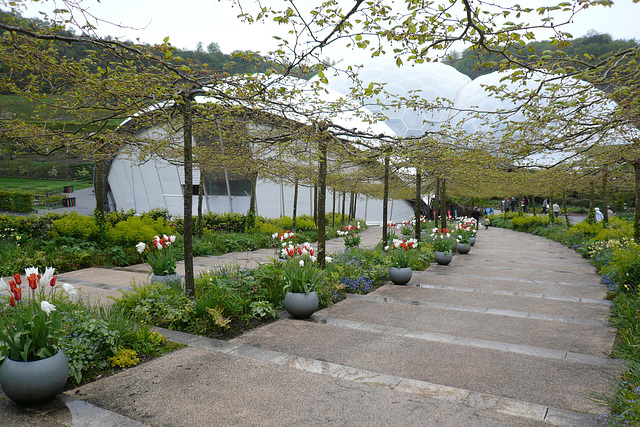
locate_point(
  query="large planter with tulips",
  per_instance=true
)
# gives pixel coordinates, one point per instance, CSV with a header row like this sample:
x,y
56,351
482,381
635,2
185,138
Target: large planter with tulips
x,y
34,370
401,253
162,259
443,244
300,277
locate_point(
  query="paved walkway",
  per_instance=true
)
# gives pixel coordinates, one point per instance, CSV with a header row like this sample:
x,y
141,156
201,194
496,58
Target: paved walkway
x,y
513,334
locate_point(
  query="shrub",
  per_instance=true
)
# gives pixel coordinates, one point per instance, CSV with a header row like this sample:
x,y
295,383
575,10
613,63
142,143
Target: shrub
x,y
528,223
584,230
624,269
77,226
135,229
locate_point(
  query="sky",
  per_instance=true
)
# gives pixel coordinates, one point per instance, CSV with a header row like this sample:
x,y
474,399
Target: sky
x,y
188,22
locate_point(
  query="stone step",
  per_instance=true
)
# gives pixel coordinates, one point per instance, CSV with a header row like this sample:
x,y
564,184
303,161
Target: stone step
x,y
539,380
559,336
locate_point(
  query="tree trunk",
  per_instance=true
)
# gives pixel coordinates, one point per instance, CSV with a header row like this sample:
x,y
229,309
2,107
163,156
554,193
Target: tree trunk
x,y
436,206
416,211
605,198
333,209
344,201
315,203
592,204
200,197
295,205
98,213
636,217
564,208
187,118
322,198
385,200
443,204
253,202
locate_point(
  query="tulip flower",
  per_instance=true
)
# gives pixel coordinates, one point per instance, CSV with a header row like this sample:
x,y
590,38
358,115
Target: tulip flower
x,y
69,289
17,278
140,247
33,281
47,307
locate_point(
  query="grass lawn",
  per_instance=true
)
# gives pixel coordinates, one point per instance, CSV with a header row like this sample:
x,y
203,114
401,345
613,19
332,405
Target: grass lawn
x,y
39,186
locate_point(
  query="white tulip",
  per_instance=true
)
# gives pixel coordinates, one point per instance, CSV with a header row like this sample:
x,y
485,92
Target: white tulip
x,y
47,307
140,247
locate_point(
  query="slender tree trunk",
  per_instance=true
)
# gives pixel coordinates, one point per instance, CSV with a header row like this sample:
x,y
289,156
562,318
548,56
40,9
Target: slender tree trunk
x,y
200,198
322,199
254,200
564,207
416,212
315,203
592,203
295,204
333,209
344,201
187,117
436,207
636,217
605,197
99,184
443,203
385,200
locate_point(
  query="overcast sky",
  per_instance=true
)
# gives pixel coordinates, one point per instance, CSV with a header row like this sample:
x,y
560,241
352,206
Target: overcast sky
x,y
188,22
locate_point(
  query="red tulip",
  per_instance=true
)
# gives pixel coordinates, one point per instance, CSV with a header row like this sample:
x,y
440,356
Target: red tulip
x,y
12,302
33,281
17,278
17,293
12,285
53,281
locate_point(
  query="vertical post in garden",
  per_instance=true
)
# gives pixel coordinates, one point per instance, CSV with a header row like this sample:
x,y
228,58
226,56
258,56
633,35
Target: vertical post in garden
x,y
322,193
385,198
416,211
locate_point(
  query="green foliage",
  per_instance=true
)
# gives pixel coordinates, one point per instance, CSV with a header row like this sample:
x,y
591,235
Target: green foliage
x,y
76,226
303,222
624,269
16,201
92,335
135,229
529,223
300,275
158,304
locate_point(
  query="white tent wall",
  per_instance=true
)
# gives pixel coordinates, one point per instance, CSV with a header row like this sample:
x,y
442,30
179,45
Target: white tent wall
x,y
157,184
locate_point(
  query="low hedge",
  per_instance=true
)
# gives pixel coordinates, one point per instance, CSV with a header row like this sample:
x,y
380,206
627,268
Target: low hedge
x,y
16,201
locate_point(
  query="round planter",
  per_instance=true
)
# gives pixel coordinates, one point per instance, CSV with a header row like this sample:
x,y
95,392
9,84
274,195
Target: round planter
x,y
33,383
301,305
443,258
472,240
463,248
400,276
171,279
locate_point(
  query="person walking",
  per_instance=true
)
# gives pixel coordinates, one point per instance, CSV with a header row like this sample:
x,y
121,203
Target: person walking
x,y
545,206
556,209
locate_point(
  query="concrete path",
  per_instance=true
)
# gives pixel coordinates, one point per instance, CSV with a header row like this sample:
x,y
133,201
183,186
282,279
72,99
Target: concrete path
x,y
513,334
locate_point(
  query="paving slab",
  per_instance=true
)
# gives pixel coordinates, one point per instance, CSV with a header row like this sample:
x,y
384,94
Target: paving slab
x,y
544,381
442,278
105,276
499,302
565,336
198,387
